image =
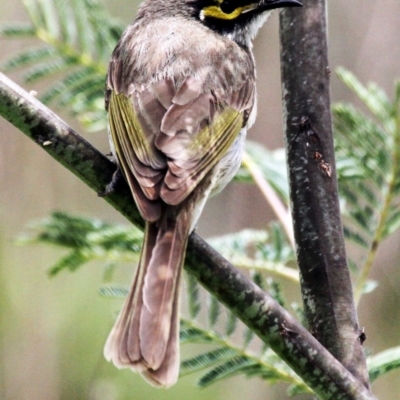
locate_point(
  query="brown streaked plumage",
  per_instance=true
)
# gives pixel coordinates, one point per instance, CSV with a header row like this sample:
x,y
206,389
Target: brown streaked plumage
x,y
180,97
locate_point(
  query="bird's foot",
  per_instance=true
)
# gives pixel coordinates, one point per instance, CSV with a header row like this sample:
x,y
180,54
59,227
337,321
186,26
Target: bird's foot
x,y
111,187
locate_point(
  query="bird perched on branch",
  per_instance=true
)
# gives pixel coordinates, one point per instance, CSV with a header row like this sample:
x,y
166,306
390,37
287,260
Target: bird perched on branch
x,y
180,97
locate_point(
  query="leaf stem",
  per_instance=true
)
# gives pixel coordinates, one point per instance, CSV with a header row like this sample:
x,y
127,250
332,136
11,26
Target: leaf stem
x,y
270,195
278,269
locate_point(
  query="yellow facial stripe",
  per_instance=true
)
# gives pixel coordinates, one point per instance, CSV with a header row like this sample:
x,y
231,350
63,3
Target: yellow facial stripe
x,y
216,12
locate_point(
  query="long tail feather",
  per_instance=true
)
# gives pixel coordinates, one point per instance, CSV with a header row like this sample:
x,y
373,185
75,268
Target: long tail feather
x,y
145,336
168,372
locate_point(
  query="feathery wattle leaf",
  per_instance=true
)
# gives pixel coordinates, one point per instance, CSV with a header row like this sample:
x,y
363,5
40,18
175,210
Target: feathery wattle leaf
x,y
79,36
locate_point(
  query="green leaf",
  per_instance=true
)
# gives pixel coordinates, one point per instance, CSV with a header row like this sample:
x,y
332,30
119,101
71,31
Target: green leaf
x,y
355,237
294,390
50,11
275,290
258,279
206,360
368,154
35,12
383,363
79,36
83,94
71,262
372,96
90,239
114,291
258,249
231,324
46,69
17,31
225,370
84,32
193,296
193,334
236,245
248,336
70,84
86,239
393,222
214,309
29,57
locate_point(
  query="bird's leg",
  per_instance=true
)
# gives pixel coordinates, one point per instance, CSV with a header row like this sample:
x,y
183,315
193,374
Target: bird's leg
x,y
117,177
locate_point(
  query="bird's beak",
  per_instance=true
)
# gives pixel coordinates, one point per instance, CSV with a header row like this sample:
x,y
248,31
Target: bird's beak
x,y
271,4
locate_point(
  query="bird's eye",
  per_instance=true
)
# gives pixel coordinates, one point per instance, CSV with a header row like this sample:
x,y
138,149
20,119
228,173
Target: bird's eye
x,y
228,6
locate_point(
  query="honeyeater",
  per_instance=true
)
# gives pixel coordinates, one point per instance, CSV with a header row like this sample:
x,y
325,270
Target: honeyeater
x,y
180,96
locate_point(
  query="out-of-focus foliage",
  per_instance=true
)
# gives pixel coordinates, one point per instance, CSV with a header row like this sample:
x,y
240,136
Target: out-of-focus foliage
x,y
90,239
86,240
264,250
368,164
273,166
383,363
76,39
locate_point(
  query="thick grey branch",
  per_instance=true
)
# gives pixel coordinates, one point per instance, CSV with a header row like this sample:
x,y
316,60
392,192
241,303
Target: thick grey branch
x,y
314,364
325,279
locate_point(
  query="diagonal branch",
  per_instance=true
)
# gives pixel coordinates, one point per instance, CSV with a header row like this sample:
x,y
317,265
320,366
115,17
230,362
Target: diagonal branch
x,y
274,325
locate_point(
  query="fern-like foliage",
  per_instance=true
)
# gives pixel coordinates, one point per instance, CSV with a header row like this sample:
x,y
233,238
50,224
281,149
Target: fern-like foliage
x,y
368,164
227,359
90,239
85,239
229,355
77,39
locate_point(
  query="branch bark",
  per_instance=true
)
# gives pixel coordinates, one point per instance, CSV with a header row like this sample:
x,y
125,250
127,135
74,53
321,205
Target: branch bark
x,y
325,279
275,326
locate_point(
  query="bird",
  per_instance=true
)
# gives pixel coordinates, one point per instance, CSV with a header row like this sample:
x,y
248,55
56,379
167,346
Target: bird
x,y
180,97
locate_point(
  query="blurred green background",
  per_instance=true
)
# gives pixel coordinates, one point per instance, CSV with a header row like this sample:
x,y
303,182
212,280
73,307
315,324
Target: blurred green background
x,y
52,331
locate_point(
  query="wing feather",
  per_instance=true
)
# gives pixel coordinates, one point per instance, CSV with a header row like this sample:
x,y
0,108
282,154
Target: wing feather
x,y
181,179
168,136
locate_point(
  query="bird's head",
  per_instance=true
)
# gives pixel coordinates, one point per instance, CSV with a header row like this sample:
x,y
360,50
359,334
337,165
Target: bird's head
x,y
236,19
239,19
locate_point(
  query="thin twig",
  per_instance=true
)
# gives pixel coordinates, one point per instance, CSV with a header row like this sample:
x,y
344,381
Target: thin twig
x,y
270,195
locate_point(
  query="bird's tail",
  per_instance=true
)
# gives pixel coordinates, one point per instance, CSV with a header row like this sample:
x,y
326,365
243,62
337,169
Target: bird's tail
x,y
145,336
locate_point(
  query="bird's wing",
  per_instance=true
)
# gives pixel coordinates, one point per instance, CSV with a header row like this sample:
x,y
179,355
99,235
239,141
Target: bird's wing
x,y
168,137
